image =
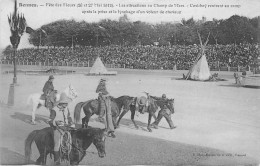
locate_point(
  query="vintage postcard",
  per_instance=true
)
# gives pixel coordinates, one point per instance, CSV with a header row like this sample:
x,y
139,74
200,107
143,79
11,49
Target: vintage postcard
x,y
130,82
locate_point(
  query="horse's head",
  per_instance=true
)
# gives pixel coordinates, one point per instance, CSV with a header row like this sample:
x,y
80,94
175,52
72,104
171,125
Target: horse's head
x,y
170,105
83,138
71,92
99,142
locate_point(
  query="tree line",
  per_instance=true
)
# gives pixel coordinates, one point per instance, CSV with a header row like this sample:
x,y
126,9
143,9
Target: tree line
x,y
234,30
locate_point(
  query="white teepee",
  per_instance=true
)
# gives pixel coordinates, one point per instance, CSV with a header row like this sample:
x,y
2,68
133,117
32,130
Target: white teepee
x,y
98,68
200,69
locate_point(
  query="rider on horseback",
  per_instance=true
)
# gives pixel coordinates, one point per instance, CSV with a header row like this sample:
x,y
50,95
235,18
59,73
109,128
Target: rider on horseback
x,y
164,112
105,106
49,93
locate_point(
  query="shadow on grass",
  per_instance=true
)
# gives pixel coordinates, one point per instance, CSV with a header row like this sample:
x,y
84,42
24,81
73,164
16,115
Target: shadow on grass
x,y
129,124
251,86
240,86
27,118
216,80
123,122
42,119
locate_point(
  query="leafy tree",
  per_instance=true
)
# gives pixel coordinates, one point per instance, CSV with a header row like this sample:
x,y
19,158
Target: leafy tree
x,y
237,29
8,50
123,31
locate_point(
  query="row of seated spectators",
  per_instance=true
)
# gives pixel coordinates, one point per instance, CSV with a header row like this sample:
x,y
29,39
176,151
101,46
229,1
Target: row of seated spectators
x,y
145,57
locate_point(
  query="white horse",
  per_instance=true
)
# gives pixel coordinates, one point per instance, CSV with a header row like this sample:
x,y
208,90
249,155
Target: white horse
x,y
70,93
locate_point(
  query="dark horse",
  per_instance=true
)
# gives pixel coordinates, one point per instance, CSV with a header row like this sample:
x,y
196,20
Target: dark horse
x,y
81,140
90,108
151,109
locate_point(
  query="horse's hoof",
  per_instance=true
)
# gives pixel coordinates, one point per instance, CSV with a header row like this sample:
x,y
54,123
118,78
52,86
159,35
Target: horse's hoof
x,y
154,126
150,130
173,127
33,123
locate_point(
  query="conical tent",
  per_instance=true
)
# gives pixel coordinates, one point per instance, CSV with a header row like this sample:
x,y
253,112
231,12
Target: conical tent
x,y
98,68
200,69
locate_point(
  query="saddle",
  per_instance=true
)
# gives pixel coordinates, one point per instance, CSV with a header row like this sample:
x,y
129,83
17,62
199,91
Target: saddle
x,y
101,105
50,99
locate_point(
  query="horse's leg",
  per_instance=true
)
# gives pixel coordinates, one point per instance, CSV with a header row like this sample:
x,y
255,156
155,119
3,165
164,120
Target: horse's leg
x,y
42,158
41,149
33,113
114,121
40,161
85,120
120,117
132,109
39,105
149,122
45,158
154,116
46,152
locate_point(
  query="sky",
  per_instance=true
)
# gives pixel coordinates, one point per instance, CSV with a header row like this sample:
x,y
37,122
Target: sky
x,y
40,12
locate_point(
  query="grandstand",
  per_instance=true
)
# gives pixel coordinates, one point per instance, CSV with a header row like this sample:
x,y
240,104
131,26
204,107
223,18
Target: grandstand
x,y
141,57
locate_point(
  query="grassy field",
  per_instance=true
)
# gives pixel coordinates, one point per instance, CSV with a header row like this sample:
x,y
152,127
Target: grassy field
x,y
215,118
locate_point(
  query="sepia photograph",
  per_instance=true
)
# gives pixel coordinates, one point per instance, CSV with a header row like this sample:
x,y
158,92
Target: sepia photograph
x,y
130,82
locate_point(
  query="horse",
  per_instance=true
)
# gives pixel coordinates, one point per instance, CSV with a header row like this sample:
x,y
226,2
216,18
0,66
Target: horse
x,y
133,109
151,109
81,140
37,102
90,108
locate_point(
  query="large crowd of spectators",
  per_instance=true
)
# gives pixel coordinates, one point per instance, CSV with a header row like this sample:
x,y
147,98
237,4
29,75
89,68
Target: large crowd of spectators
x,y
146,57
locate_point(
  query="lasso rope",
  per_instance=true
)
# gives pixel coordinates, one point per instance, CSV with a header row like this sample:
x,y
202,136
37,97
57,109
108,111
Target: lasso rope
x,y
65,145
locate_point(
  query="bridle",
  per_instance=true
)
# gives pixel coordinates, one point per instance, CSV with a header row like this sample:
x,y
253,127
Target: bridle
x,y
170,105
72,94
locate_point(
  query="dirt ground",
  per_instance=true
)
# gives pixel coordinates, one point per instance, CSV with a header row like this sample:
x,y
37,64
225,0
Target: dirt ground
x,y
217,122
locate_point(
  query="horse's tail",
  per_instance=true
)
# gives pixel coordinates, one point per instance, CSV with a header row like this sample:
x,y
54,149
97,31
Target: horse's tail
x,y
77,111
28,144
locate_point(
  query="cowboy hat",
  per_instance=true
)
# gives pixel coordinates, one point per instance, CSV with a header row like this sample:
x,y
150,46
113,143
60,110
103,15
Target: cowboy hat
x,y
64,98
51,77
103,80
164,96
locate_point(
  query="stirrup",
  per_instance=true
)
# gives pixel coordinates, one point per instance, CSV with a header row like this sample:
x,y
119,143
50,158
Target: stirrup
x,y
111,133
48,120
